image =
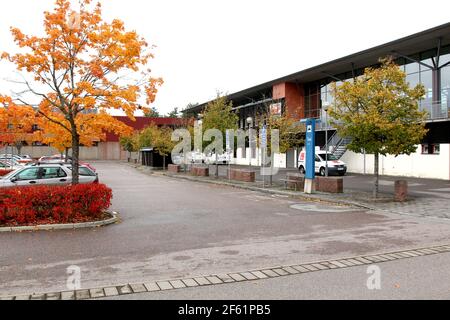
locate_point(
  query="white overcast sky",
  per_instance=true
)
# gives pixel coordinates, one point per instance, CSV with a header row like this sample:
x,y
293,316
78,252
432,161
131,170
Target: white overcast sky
x,y
229,45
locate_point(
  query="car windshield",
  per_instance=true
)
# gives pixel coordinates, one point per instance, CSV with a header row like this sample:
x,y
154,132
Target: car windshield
x,y
330,157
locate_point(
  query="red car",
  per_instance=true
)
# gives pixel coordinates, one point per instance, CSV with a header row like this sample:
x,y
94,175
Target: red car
x,y
62,158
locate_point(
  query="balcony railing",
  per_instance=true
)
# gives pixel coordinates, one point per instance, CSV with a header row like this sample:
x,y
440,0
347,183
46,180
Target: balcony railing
x,y
435,111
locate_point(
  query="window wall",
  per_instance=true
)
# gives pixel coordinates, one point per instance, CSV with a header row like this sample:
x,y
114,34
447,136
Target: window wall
x,y
445,82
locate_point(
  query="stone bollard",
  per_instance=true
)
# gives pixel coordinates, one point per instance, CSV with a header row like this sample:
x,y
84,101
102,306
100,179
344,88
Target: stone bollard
x,y
329,184
200,171
295,181
172,168
401,190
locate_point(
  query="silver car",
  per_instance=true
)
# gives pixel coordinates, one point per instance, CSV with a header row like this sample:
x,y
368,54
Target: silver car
x,y
48,174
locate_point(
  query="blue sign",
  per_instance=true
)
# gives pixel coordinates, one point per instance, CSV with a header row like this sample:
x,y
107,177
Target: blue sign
x,y
310,158
264,137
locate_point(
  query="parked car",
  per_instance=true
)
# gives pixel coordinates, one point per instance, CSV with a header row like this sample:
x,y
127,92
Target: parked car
x,y
5,165
46,174
196,157
224,158
12,162
61,159
335,166
18,158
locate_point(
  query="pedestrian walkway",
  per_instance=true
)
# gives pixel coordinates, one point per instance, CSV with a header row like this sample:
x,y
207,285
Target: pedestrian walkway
x,y
427,197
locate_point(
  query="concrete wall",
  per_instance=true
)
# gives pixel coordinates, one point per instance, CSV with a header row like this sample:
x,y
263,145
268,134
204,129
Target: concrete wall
x,y
104,151
416,165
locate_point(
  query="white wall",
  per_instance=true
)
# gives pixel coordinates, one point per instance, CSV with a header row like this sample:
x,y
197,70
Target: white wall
x,y
280,159
416,165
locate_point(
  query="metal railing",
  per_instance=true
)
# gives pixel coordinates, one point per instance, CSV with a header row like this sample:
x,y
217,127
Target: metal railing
x,y
435,111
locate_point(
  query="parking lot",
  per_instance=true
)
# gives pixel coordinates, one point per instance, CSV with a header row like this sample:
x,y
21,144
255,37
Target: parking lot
x,y
172,228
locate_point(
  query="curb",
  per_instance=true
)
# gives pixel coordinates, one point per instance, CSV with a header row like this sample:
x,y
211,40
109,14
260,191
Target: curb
x,y
71,226
221,279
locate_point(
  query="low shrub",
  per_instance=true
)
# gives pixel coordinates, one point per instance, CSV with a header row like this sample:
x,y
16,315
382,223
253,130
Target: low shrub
x,y
4,172
53,204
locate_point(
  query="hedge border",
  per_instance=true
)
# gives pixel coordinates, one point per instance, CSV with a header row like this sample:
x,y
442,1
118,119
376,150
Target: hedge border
x,y
70,226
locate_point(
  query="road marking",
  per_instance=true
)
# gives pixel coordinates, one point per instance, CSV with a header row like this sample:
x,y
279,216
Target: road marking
x,y
244,276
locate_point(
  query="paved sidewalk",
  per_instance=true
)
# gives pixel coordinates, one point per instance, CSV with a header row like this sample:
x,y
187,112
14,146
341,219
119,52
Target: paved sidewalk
x,y
427,197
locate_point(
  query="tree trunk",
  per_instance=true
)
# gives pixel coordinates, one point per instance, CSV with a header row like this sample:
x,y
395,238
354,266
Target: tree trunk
x,y
377,176
75,157
19,149
164,163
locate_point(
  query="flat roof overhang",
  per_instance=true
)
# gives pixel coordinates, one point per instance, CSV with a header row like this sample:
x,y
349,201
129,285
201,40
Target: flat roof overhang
x,y
422,41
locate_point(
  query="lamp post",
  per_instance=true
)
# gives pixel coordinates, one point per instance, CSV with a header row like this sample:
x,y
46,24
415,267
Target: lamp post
x,y
326,106
250,126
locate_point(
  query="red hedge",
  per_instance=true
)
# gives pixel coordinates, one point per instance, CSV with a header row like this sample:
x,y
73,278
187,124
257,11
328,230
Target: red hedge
x,y
53,204
4,172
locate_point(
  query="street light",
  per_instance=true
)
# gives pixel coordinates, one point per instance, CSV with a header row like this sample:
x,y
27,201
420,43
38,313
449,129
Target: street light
x,y
325,107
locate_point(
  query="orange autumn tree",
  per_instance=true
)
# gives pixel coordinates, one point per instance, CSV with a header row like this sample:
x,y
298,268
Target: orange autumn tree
x,y
81,65
16,124
92,128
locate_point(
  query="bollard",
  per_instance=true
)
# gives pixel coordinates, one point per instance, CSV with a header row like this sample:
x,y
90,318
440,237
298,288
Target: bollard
x,y
401,190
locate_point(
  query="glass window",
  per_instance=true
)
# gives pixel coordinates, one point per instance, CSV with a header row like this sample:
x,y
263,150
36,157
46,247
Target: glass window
x,y
426,78
427,62
431,149
85,172
445,77
412,68
413,79
53,173
444,59
28,174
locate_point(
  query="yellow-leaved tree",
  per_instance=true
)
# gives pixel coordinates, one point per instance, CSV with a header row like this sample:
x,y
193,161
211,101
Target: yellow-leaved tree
x,y
80,65
92,128
379,111
17,124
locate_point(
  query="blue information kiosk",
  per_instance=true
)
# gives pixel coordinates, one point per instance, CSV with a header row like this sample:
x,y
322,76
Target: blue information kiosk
x,y
310,156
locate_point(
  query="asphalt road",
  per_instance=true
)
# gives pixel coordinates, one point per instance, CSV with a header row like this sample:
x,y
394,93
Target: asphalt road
x,y
174,229
421,278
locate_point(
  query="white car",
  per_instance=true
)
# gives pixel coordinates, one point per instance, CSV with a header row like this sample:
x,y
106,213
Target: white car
x,y
224,158
195,157
46,175
335,166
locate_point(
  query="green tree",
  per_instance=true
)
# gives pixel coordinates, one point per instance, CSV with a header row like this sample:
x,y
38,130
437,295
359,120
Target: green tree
x,y
163,143
174,113
186,114
152,113
147,136
380,113
160,139
291,132
219,115
130,144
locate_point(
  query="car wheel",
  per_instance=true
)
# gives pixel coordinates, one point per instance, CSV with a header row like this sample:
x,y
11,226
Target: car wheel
x,y
323,172
302,170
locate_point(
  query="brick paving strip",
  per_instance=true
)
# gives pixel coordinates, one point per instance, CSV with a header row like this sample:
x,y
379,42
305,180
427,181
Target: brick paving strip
x,y
221,279
114,218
